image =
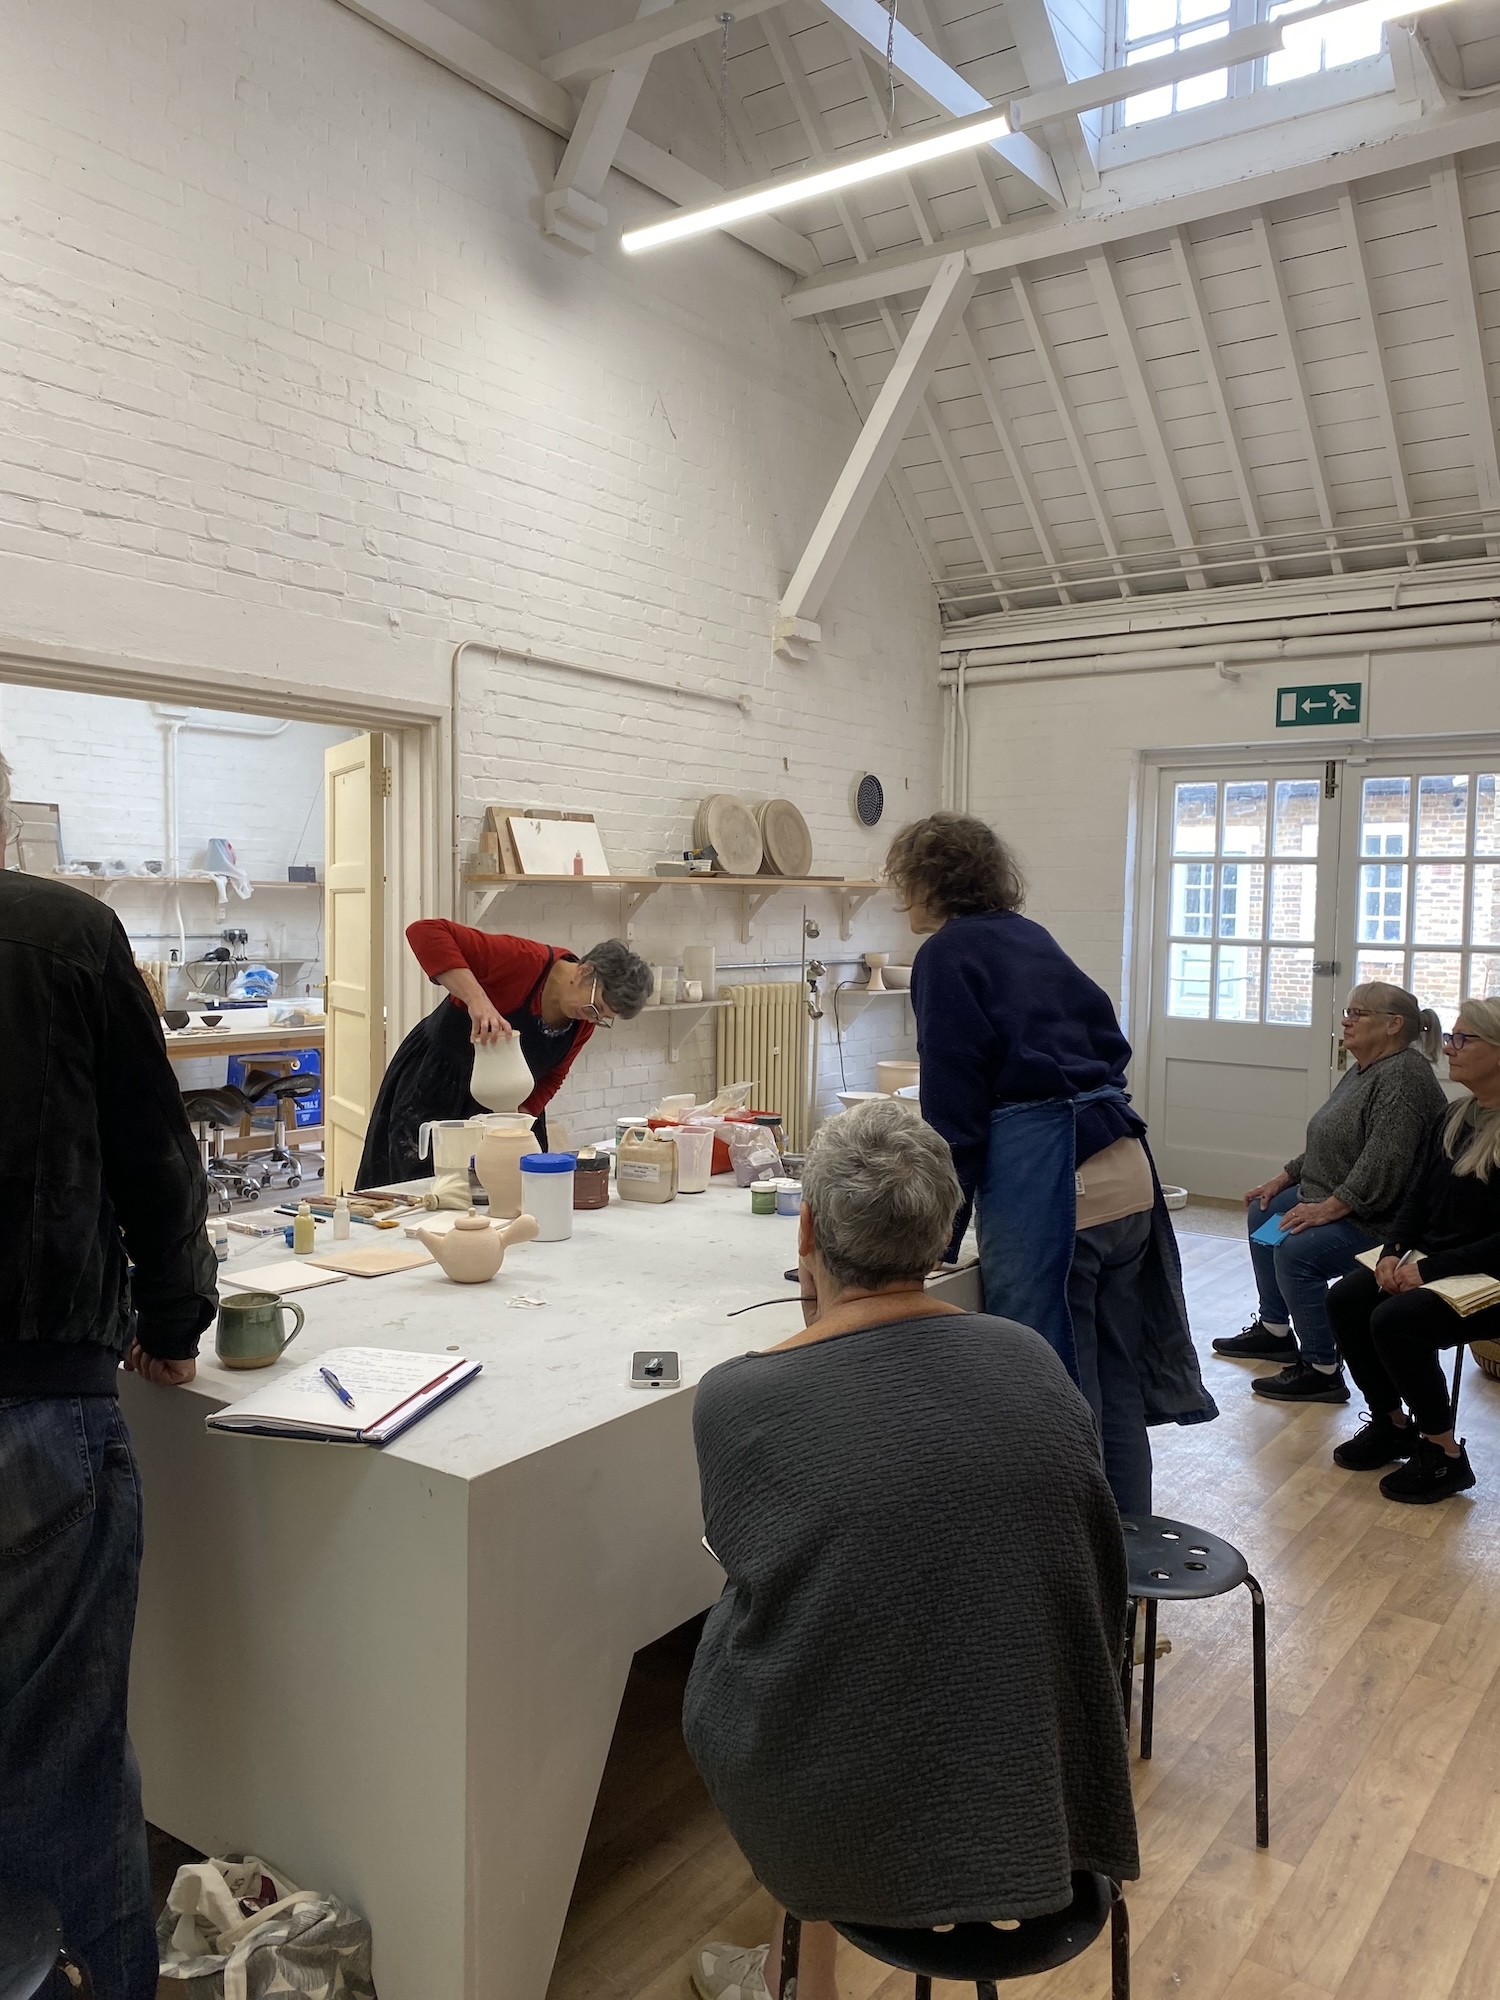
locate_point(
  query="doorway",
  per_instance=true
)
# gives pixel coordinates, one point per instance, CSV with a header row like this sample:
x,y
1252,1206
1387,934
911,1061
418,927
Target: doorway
x,y
1277,885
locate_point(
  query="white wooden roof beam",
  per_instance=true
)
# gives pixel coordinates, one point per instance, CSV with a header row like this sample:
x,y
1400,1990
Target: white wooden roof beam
x,y
1359,278
986,177
571,208
943,87
896,478
889,420
1301,398
641,39
1042,60
1458,268
1197,314
1083,464
984,380
1126,354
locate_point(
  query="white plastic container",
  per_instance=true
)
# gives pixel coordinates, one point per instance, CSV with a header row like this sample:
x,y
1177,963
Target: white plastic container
x,y
547,1193
646,1167
788,1197
695,1157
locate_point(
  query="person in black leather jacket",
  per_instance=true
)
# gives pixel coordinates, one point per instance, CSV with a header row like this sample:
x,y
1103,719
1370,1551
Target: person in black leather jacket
x,y
1390,1326
99,1171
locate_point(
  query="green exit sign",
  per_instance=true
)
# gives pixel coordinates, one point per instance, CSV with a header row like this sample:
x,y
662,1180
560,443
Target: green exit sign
x,y
1315,707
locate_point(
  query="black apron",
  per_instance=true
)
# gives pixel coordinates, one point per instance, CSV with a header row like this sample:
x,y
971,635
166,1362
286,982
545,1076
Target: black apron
x,y
429,1077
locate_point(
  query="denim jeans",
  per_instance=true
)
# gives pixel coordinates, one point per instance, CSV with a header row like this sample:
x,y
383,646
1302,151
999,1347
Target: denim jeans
x,y
70,1798
1105,1300
1293,1278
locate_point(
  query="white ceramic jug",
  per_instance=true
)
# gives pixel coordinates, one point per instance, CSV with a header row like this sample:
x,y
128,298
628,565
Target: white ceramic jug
x,y
502,1078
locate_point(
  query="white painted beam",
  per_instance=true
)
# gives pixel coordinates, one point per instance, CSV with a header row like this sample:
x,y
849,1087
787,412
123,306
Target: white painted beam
x,y
1301,397
1126,354
1458,268
1197,315
943,87
1359,278
889,420
896,479
453,47
1022,243
638,39
571,208
1042,59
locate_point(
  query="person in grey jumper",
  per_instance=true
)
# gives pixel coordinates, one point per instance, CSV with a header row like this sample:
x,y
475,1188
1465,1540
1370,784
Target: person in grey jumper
x,y
1338,1197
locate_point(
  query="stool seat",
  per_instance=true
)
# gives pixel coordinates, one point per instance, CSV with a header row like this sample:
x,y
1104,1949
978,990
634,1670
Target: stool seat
x,y
31,1942
222,1107
1169,1559
983,1952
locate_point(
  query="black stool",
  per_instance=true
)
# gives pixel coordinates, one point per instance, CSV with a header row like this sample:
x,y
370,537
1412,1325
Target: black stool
x,y
31,1942
212,1112
1168,1559
985,1953
283,1091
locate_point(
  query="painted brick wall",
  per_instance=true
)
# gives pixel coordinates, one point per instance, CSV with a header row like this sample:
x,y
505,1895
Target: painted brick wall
x,y
294,387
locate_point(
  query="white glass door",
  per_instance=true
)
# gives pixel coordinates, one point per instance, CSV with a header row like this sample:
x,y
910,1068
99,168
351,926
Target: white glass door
x,y
1244,986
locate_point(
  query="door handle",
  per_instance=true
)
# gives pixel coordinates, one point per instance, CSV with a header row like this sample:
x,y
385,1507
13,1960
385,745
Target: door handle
x,y
1327,968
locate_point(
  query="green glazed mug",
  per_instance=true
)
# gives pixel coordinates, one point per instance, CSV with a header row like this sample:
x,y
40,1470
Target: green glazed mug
x,y
249,1333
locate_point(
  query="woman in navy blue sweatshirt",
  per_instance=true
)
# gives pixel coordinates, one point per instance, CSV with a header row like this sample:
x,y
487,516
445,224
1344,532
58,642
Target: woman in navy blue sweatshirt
x,y
1023,1072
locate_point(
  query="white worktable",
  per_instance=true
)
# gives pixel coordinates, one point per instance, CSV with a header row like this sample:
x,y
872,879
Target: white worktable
x,y
396,1674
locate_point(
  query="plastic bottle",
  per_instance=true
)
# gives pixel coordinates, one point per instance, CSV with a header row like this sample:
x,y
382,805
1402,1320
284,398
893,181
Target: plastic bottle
x,y
547,1194
341,1219
303,1236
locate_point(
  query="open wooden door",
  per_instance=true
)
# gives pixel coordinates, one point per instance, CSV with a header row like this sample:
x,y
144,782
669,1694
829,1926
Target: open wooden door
x,y
356,782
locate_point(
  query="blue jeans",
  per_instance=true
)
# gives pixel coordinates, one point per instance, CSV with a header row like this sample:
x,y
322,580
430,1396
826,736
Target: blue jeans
x,y
1104,1298
1293,1278
70,1797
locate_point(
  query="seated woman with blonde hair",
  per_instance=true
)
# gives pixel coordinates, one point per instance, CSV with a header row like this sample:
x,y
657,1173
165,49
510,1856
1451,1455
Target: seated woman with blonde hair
x,y
1390,1326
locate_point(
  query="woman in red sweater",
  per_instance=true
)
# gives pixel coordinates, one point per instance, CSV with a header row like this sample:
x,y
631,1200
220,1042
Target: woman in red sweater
x,y
497,986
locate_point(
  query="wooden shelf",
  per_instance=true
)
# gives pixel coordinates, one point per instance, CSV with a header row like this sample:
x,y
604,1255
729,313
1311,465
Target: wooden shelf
x,y
754,891
200,881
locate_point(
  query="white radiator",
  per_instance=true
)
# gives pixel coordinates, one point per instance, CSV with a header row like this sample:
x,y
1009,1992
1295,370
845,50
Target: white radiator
x,y
763,1037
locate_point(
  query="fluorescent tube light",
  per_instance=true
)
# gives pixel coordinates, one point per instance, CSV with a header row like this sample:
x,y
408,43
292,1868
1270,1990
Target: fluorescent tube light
x,y
961,135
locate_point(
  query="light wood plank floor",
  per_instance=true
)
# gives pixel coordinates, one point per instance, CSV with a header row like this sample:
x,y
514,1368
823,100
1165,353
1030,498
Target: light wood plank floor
x,y
1384,1727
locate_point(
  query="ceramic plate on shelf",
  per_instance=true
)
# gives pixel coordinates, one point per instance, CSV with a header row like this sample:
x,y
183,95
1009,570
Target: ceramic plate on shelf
x,y
730,830
788,844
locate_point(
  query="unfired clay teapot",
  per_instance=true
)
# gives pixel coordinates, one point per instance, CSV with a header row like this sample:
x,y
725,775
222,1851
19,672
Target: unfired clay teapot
x,y
474,1248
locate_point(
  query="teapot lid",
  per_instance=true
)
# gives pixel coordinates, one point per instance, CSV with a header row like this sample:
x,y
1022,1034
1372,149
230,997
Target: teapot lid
x,y
473,1220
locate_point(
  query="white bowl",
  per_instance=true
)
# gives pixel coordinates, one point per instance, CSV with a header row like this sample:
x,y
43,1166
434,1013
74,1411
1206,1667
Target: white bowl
x,y
1175,1197
849,1098
897,978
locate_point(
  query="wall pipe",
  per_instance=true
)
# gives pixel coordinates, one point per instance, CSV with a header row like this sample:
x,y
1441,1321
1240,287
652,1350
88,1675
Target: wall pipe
x,y
961,743
1206,660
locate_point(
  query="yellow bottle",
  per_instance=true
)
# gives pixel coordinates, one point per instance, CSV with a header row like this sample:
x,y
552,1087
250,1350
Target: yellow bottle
x,y
302,1230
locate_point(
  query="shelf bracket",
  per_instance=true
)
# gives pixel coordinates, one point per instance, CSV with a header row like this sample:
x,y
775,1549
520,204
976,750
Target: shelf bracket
x,y
851,902
752,902
486,899
631,901
677,1036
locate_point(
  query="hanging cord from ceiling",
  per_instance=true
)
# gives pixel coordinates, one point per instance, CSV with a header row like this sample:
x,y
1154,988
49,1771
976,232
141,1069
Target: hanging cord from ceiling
x,y
890,71
726,22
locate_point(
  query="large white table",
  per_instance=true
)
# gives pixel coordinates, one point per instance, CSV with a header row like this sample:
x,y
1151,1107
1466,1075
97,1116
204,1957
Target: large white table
x,y
395,1674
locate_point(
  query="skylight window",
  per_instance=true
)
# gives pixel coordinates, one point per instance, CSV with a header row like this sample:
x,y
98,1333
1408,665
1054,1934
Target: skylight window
x,y
1150,28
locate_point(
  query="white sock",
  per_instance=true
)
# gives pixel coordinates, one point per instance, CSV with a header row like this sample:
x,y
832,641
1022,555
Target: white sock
x,y
1275,1325
1325,1367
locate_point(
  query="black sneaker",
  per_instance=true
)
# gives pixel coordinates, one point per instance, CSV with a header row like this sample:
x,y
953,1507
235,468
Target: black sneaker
x,y
1429,1474
1380,1443
1299,1383
1257,1343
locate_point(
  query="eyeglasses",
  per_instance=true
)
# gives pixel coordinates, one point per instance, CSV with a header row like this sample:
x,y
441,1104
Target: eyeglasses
x,y
1457,1042
592,1013
1367,1014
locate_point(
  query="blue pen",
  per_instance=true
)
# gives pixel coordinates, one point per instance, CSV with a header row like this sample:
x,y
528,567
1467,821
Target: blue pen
x,y
337,1387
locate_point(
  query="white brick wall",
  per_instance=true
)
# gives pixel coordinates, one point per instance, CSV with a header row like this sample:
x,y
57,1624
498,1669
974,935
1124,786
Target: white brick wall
x,y
294,387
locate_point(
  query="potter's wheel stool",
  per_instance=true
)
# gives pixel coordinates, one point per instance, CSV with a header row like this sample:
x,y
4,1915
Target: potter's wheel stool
x,y
987,1955
31,1942
1169,1559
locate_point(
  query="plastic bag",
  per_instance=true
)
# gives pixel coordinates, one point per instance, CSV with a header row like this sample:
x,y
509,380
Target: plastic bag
x,y
235,1929
752,1153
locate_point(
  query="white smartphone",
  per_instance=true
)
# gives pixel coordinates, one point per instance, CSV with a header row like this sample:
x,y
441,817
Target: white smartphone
x,y
655,1369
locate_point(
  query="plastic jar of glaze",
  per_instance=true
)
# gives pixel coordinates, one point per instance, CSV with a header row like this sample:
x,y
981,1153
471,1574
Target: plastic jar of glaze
x,y
547,1194
763,1198
789,1197
591,1180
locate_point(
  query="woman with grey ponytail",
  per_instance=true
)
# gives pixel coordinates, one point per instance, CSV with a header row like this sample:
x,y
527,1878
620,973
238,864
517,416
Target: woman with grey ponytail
x,y
1391,1325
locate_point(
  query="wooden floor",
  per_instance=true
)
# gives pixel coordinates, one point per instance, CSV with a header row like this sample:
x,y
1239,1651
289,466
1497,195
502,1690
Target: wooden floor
x,y
1384,1730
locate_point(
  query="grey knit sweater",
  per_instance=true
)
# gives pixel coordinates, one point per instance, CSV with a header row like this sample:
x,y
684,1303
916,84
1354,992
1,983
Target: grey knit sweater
x,y
1364,1144
906,1702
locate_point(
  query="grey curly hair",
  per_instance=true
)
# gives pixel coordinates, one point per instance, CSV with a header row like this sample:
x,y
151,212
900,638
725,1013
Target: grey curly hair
x,y
883,1194
624,978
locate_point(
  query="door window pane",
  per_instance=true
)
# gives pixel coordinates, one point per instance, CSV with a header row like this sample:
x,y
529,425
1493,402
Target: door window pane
x,y
1189,967
1484,910
1386,808
1297,816
1195,819
1486,820
1289,986
1437,981
1294,902
1382,905
1237,988
1242,899
1484,976
1438,912
1192,899
1443,814
1387,965
1245,818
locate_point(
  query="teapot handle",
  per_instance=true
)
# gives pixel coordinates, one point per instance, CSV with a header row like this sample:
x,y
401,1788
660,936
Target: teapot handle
x,y
524,1229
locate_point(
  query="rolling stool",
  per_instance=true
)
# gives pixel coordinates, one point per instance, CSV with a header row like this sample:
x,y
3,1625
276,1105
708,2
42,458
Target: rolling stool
x,y
31,1942
212,1112
282,1090
1168,1559
986,1953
